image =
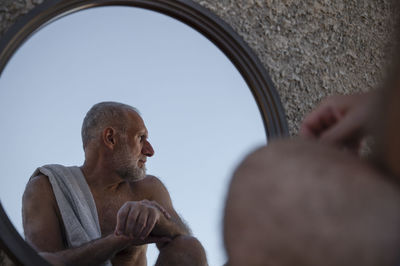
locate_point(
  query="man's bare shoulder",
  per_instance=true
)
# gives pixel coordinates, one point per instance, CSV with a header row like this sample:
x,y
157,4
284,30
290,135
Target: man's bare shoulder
x,y
152,180
38,186
38,194
153,188
149,182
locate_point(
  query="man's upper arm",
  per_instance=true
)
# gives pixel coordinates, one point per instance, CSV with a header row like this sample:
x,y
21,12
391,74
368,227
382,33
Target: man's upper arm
x,y
42,224
161,195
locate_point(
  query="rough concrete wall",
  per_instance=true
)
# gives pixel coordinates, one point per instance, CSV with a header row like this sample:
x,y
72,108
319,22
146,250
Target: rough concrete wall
x,y
11,10
311,48
4,260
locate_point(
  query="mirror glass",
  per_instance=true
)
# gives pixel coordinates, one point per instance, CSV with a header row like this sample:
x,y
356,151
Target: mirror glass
x,y
201,116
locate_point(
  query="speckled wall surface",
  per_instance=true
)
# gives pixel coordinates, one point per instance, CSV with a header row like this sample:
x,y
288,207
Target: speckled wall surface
x,y
311,48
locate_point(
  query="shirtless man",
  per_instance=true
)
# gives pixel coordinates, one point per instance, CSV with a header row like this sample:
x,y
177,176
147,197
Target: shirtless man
x,y
133,209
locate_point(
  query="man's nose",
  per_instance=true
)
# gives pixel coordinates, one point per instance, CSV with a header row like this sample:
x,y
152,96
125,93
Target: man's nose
x,y
147,149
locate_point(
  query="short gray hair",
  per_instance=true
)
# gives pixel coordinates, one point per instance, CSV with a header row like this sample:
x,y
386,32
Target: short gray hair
x,y
101,115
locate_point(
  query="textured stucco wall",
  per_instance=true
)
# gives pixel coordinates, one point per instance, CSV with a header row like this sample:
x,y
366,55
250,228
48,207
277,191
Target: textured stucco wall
x,y
311,48
4,260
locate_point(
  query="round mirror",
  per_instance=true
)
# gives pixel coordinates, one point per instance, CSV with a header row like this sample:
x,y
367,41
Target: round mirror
x,y
201,115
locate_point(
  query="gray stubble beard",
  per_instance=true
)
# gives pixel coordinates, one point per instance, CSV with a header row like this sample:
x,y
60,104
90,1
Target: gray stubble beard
x,y
127,169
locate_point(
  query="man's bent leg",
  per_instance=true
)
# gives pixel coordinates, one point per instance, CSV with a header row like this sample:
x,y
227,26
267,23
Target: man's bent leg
x,y
301,203
182,251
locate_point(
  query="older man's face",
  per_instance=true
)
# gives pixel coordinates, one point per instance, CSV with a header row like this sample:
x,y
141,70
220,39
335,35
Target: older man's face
x,y
133,149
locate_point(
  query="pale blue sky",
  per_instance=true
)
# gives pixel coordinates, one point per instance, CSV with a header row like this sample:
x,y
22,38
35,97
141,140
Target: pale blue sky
x,y
201,116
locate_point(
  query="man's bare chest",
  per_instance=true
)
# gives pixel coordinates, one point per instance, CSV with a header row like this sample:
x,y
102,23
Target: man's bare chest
x,y
108,205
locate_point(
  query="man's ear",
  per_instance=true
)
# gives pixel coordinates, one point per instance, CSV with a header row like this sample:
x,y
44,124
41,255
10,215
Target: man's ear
x,y
109,137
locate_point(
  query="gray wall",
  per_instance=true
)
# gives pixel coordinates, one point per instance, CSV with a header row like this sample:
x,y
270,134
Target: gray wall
x,y
311,48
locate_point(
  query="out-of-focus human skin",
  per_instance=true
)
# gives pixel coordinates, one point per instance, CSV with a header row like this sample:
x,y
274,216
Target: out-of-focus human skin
x,y
302,202
387,130
307,201
341,120
345,120
131,212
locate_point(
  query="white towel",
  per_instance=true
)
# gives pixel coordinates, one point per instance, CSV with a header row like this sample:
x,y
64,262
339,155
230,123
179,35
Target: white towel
x,y
76,203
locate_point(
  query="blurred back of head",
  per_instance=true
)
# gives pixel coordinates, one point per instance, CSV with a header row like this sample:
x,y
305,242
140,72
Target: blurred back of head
x,y
300,203
386,123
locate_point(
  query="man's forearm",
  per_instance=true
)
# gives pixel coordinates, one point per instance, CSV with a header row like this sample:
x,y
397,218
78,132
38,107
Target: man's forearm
x,y
172,228
92,253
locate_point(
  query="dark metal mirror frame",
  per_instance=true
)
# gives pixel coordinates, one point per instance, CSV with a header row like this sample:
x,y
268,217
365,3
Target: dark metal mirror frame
x,y
190,13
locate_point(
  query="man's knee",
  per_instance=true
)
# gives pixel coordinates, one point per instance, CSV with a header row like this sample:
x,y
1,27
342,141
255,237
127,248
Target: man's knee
x,y
183,250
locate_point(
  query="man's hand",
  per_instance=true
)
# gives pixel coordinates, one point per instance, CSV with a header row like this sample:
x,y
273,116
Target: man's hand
x,y
136,220
340,120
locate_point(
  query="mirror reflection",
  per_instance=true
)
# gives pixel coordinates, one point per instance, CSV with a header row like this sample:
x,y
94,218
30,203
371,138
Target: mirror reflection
x,y
200,115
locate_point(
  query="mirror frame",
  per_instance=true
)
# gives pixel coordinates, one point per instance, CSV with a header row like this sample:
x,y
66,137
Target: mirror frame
x,y
186,11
